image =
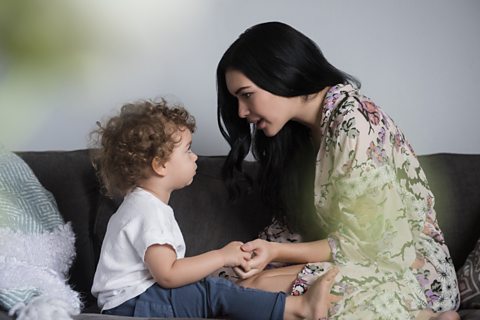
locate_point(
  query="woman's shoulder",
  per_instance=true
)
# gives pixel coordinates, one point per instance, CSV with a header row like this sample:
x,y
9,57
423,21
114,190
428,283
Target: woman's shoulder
x,y
347,107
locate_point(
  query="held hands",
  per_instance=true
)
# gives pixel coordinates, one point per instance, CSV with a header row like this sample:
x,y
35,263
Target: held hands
x,y
234,256
260,253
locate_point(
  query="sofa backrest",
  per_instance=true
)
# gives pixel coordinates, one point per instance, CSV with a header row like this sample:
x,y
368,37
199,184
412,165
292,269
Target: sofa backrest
x,y
208,218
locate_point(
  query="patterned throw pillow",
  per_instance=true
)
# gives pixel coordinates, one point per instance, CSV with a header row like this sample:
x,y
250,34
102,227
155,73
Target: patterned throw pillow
x,y
469,280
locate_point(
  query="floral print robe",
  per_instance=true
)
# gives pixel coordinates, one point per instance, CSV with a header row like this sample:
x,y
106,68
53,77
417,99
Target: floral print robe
x,y
373,199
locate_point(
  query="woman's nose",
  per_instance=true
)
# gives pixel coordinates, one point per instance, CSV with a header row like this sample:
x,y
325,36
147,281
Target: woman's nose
x,y
242,110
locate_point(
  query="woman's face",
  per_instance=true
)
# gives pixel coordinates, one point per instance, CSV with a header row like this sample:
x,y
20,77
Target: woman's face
x,y
267,111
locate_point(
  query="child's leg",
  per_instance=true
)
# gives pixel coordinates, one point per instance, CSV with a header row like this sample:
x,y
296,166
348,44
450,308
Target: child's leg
x,y
209,298
227,299
218,297
278,279
224,298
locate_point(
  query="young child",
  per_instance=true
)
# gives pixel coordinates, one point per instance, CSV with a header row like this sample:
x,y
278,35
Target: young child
x,y
144,154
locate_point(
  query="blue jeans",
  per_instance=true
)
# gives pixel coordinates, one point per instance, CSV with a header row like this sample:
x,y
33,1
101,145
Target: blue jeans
x,y
207,298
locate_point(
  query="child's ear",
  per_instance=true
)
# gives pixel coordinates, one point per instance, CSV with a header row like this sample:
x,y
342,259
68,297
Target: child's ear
x,y
159,167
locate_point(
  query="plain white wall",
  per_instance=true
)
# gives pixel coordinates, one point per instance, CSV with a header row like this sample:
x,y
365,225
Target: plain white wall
x,y
419,60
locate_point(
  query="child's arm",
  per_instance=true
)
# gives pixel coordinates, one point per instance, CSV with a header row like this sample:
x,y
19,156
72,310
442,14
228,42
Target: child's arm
x,y
170,272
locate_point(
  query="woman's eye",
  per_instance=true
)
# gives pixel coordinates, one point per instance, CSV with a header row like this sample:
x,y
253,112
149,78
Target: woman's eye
x,y
247,94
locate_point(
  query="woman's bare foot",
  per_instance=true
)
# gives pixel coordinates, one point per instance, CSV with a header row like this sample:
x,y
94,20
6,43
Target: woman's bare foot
x,y
430,315
318,295
447,315
314,304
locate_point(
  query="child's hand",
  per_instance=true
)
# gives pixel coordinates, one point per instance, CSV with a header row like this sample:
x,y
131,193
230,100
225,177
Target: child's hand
x,y
234,256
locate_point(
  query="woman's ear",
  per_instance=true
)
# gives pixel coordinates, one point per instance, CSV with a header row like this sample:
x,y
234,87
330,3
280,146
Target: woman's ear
x,y
159,167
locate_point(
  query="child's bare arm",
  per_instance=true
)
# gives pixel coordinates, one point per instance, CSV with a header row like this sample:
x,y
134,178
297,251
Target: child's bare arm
x,y
170,272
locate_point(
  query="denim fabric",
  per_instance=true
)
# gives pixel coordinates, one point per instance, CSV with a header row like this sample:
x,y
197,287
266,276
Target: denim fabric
x,y
210,297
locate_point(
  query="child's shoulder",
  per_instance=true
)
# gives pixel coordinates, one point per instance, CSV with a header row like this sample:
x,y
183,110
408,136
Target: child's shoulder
x,y
141,203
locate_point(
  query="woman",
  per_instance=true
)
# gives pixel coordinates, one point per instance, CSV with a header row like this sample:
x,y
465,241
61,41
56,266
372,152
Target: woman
x,y
336,168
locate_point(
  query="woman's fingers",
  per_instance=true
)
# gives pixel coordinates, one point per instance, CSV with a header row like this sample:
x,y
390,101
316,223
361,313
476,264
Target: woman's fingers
x,y
242,274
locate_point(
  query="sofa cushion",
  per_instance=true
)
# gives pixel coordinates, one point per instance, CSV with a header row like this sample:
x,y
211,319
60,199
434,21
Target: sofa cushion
x,y
469,280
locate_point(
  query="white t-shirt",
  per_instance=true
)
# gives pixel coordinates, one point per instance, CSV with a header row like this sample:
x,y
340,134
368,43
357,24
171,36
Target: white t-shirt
x,y
141,221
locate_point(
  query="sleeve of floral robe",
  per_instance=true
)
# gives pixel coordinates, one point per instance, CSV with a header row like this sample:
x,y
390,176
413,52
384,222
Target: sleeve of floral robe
x,y
368,214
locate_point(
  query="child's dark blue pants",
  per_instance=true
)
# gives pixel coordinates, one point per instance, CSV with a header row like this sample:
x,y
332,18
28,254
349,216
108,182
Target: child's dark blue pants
x,y
209,298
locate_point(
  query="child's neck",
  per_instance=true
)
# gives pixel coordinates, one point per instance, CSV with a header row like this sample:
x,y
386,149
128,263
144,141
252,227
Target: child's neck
x,y
161,194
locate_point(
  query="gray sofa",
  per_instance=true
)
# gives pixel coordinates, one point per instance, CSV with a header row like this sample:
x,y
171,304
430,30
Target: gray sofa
x,y
209,219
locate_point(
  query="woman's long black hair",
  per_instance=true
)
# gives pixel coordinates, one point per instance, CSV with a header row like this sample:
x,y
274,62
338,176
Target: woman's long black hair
x,y
283,61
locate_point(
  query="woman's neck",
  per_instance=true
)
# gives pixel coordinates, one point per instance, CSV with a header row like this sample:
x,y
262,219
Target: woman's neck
x,y
310,114
310,111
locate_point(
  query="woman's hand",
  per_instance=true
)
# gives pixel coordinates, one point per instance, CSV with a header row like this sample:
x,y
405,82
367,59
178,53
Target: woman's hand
x,y
261,255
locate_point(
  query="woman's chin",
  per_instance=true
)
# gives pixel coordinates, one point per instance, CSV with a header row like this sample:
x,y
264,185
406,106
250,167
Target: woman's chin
x,y
269,133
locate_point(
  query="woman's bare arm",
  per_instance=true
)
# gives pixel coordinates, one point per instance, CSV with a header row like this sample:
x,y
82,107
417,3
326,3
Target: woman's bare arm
x,y
303,252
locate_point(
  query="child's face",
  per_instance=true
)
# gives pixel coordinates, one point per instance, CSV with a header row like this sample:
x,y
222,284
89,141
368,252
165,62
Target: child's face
x,y
181,165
